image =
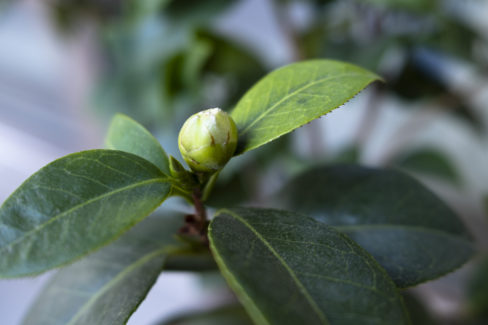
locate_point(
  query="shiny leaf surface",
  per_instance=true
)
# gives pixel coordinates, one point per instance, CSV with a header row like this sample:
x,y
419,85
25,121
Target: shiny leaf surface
x,y
73,206
287,268
294,95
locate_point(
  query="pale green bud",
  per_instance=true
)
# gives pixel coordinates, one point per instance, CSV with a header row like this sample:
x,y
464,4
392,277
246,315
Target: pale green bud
x,y
208,140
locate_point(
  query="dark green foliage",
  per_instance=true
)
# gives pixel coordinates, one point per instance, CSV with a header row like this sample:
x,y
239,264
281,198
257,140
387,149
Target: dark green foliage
x,y
75,205
478,292
409,231
419,315
107,287
227,315
431,162
287,268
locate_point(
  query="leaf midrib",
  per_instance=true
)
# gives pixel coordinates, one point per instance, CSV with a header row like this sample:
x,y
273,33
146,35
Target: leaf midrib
x,y
253,310
78,206
301,287
115,280
272,107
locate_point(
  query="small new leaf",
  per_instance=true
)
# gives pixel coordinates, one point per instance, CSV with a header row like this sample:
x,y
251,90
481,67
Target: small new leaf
x,y
127,135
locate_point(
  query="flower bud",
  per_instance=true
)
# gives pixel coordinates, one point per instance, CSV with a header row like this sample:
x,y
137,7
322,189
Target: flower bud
x,y
208,140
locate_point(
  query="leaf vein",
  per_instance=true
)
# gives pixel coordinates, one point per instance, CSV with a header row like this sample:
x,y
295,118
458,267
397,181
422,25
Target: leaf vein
x,y
74,208
114,281
301,287
298,90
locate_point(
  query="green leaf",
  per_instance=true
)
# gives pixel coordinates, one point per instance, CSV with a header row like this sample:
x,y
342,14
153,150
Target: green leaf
x,y
196,12
139,9
227,315
477,290
414,5
429,161
349,155
108,286
287,268
294,95
408,229
73,206
127,135
191,260
419,314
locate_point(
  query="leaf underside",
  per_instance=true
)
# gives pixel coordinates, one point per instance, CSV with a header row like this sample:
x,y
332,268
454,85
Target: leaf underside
x,y
107,287
287,268
294,95
73,206
409,231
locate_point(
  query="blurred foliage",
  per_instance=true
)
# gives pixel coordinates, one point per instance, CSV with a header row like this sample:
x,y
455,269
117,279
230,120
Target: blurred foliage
x,y
419,315
478,294
485,204
226,315
409,42
163,59
431,162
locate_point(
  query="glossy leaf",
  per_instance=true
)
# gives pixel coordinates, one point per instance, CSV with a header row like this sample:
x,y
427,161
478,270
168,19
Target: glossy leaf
x,y
108,286
287,268
127,135
227,315
294,95
408,229
431,162
73,206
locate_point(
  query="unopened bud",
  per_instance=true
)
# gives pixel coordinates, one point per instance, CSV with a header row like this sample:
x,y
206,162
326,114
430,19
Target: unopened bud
x,y
208,140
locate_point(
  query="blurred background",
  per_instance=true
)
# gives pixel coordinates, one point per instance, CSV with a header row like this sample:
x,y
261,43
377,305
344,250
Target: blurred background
x,y
66,66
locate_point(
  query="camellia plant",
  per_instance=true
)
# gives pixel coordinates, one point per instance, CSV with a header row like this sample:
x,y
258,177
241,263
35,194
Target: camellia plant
x,y
336,245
